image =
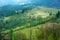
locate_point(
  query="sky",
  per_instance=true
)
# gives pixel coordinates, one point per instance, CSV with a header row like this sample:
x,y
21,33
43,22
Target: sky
x,y
6,2
43,2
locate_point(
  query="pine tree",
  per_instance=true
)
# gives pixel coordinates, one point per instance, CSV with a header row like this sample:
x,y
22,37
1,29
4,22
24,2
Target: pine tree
x,y
58,14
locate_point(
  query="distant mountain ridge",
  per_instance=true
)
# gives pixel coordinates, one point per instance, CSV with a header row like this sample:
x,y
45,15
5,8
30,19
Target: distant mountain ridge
x,y
8,10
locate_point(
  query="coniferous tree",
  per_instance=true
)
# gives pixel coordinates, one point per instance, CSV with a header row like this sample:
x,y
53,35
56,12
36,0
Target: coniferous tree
x,y
58,14
50,13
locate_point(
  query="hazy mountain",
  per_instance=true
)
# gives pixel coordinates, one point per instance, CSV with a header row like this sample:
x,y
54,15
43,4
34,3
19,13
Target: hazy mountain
x,y
8,10
48,3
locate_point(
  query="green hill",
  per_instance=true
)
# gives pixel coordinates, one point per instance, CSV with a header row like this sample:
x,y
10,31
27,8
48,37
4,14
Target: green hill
x,y
35,16
35,20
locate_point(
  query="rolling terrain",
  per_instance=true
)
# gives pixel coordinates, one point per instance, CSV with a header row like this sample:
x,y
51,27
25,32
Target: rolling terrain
x,y
33,24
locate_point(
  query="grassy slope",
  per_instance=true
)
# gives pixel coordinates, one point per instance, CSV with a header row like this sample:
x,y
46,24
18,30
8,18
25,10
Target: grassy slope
x,y
38,32
39,11
43,12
